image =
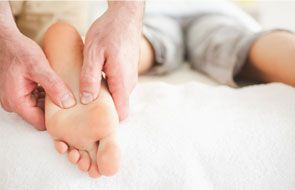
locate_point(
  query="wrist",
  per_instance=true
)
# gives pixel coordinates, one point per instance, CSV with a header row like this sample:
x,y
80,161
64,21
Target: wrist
x,y
132,10
7,23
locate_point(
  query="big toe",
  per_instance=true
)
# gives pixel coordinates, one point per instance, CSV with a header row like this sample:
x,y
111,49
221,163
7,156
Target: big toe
x,y
108,156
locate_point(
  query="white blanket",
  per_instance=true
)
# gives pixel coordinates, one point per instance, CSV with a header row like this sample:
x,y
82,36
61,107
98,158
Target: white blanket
x,y
190,136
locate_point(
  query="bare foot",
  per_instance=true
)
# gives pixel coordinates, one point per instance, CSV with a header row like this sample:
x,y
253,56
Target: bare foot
x,y
86,132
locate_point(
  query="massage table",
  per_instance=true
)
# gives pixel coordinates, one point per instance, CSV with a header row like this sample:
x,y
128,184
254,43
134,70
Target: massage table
x,y
184,131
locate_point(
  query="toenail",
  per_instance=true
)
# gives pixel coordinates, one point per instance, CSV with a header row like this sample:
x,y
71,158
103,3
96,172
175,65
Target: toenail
x,y
68,101
86,98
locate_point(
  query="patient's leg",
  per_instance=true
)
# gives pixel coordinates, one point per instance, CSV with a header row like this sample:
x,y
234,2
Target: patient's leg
x,y
85,131
272,59
147,58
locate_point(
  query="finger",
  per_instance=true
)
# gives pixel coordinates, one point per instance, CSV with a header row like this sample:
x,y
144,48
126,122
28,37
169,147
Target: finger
x,y
120,96
60,146
54,86
28,110
41,103
90,78
39,92
40,88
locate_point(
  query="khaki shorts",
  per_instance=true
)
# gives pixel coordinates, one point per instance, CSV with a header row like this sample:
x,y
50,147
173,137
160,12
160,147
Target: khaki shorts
x,y
215,44
34,17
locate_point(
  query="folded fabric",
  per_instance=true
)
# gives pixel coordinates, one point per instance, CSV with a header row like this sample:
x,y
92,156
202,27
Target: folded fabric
x,y
190,136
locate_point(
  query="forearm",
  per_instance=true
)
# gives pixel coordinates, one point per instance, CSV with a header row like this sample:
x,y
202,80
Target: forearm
x,y
7,24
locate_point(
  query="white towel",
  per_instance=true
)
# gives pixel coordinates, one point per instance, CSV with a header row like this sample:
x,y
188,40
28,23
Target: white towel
x,y
189,136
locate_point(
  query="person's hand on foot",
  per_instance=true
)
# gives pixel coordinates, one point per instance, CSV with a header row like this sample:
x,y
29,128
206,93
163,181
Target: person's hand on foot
x,y
85,132
112,46
23,66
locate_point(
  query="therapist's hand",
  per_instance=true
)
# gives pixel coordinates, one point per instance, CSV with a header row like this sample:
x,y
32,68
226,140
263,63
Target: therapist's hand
x,y
112,46
22,66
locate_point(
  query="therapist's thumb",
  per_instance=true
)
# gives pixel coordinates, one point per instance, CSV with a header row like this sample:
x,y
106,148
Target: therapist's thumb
x,y
54,86
91,74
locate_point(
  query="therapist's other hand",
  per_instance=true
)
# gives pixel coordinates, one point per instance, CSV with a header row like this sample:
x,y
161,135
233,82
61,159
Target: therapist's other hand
x,y
112,46
23,66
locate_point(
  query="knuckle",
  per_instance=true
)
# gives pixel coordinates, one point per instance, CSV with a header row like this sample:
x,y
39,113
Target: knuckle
x,y
89,69
53,83
89,78
92,67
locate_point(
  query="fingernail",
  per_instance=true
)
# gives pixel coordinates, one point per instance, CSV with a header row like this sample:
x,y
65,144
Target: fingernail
x,y
86,98
68,101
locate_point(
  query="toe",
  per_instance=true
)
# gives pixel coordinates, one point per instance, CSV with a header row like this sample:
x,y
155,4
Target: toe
x,y
60,146
93,171
73,155
108,156
84,162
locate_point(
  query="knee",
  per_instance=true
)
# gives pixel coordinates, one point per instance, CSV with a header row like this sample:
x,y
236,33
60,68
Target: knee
x,y
166,38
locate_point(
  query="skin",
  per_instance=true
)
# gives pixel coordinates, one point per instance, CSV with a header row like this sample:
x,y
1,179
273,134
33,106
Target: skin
x,y
23,65
86,132
112,46
272,59
266,64
24,58
92,145
147,56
